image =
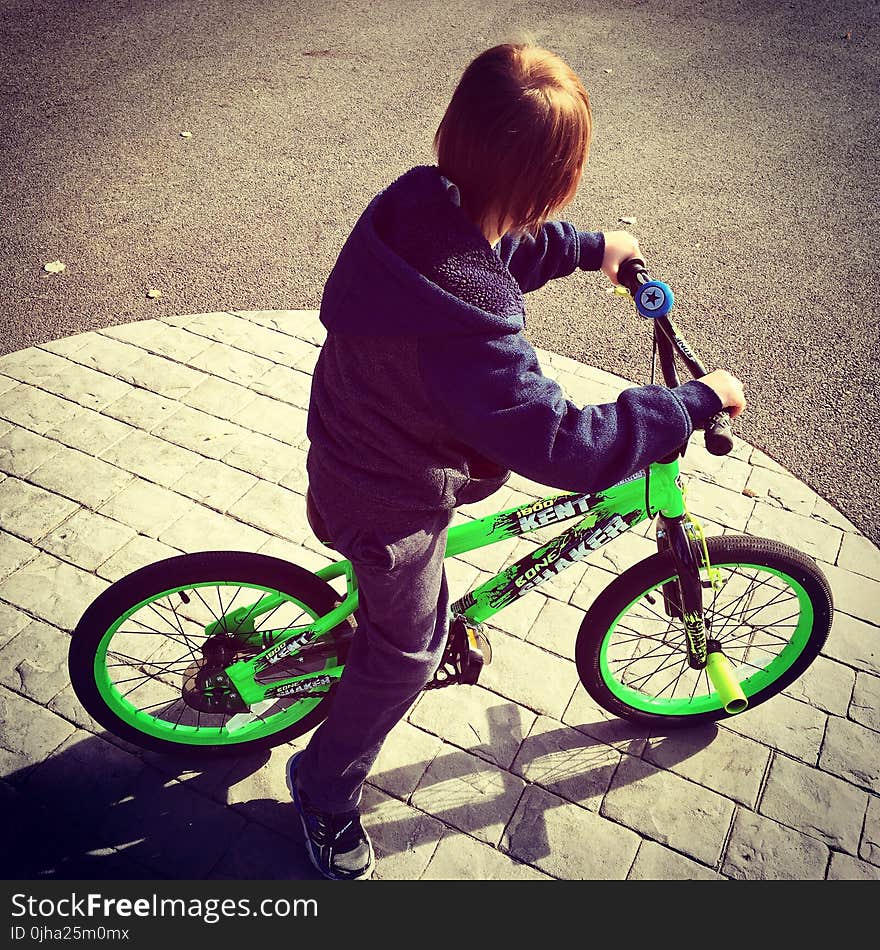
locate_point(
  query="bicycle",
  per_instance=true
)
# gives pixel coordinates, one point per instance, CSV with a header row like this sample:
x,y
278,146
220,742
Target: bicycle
x,y
216,651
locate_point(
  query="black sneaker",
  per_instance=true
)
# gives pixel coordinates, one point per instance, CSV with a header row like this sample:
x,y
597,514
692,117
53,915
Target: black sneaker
x,y
337,844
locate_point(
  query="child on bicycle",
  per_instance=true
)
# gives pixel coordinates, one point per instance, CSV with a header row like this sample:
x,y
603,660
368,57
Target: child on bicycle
x,y
426,395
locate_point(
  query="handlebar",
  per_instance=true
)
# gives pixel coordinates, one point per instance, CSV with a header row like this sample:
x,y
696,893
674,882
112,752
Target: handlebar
x,y
654,300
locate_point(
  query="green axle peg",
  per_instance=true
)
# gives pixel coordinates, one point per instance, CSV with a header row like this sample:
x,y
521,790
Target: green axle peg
x,y
725,683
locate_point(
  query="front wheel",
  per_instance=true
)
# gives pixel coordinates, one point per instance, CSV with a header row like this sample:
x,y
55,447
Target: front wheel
x,y
769,609
143,655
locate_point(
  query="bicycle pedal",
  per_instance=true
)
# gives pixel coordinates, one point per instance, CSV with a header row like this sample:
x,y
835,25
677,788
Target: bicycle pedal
x,y
467,651
472,663
479,642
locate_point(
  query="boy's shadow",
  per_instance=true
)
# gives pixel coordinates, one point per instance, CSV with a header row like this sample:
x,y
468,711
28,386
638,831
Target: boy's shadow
x,y
96,810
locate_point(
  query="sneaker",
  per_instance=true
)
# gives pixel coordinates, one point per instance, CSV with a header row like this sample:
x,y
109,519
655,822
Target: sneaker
x,y
337,843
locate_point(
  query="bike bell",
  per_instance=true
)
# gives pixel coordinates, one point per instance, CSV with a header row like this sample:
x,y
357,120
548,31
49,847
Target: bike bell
x,y
654,299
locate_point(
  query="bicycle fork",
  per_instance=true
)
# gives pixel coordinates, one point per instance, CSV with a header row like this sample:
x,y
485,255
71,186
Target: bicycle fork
x,y
684,601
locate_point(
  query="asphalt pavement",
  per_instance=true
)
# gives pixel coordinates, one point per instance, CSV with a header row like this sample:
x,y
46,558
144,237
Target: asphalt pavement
x,y
737,140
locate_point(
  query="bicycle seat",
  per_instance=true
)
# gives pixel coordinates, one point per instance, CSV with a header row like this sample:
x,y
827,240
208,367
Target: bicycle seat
x,y
316,522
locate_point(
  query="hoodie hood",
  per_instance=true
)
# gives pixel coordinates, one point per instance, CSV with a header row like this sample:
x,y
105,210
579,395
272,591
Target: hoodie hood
x,y
415,265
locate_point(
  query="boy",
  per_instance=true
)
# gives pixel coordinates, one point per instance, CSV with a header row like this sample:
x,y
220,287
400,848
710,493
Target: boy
x,y
426,394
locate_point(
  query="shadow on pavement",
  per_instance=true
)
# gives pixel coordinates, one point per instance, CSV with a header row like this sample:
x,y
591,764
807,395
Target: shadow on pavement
x,y
575,764
95,811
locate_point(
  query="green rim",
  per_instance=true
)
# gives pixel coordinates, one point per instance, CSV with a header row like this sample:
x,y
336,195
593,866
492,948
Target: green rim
x,y
702,698
245,728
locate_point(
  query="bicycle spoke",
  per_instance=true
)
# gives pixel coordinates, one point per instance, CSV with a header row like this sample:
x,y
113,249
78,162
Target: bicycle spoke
x,y
673,682
179,628
154,606
139,661
155,676
652,612
742,620
244,619
206,606
144,678
635,680
151,632
661,641
652,653
162,702
271,613
777,640
183,708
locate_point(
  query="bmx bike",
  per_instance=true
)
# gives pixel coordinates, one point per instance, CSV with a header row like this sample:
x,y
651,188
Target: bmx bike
x,y
226,651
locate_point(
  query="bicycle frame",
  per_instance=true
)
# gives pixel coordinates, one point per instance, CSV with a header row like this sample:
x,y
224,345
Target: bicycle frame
x,y
603,516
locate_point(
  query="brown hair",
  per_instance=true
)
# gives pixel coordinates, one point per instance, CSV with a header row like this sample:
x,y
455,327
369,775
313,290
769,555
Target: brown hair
x,y
515,136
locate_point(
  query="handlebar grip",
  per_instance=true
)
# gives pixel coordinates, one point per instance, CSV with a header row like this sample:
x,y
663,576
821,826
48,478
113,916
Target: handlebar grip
x,y
718,435
629,272
653,298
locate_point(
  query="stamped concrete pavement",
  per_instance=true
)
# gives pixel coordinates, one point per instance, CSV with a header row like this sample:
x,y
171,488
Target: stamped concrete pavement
x,y
125,445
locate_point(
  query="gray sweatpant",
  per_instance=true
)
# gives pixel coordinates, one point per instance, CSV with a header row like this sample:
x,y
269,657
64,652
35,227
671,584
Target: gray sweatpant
x,y
402,623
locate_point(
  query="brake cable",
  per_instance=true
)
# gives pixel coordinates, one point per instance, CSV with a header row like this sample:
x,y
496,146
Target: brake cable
x,y
699,535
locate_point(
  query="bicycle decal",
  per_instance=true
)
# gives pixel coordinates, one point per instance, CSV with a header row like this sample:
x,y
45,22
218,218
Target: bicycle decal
x,y
571,550
548,511
544,564
695,629
302,686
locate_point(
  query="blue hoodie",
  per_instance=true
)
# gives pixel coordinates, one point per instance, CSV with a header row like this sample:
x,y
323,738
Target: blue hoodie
x,y
426,393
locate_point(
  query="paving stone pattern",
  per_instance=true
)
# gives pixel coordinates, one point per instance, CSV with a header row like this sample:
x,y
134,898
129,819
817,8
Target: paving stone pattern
x,y
123,446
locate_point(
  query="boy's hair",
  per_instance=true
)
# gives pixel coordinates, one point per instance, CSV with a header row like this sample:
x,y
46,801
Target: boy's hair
x,y
515,136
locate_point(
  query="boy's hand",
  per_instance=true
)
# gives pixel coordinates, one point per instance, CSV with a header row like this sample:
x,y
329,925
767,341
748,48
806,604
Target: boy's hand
x,y
728,389
620,246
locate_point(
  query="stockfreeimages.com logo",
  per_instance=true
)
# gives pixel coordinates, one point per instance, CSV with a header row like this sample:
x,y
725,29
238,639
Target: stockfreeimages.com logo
x,y
209,910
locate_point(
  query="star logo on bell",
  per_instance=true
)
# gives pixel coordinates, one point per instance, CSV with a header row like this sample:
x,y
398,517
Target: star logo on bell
x,y
652,299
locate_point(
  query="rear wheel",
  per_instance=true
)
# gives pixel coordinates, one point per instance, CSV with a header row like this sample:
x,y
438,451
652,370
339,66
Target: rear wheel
x,y
143,655
770,612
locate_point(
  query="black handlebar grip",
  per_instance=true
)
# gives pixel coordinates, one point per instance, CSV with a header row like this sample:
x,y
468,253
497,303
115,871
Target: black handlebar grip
x,y
630,272
718,435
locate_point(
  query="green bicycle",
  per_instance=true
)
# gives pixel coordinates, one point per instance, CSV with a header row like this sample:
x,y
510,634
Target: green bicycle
x,y
223,651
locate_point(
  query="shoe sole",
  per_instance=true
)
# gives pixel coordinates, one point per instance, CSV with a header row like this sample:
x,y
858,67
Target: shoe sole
x,y
291,787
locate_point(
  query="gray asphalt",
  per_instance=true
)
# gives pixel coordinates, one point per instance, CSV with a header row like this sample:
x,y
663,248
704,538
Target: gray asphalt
x,y
740,136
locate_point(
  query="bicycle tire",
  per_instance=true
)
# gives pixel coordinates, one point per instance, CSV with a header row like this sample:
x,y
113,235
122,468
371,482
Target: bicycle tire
x,y
143,614
631,656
